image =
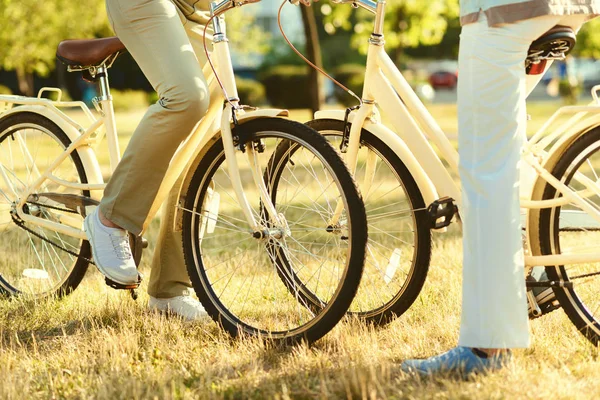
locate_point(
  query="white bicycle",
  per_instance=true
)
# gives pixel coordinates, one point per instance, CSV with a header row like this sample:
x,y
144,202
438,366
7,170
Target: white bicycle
x,y
408,191
251,228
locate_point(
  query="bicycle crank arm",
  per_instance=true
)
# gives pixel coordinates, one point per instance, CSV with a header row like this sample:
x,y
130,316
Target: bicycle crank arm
x,y
546,284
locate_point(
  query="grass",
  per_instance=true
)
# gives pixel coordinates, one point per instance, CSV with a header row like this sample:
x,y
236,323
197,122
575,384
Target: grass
x,y
98,343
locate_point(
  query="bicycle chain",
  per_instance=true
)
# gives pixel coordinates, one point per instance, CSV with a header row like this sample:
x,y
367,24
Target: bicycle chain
x,y
53,207
21,225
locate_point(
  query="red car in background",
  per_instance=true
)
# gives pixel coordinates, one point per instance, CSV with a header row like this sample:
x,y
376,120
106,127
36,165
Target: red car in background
x,y
443,79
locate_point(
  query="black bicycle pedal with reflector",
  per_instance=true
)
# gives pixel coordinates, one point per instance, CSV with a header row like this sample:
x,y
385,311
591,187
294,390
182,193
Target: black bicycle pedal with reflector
x,y
443,208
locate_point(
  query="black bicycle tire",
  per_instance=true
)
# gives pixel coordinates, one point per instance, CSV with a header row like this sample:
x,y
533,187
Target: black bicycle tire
x,y
76,275
336,309
570,302
402,301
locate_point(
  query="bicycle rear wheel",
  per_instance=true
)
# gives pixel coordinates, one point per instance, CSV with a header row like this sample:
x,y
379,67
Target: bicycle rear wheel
x,y
30,265
243,279
568,228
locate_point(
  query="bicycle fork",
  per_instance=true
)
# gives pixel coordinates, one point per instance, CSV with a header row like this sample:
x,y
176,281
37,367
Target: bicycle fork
x,y
351,158
259,229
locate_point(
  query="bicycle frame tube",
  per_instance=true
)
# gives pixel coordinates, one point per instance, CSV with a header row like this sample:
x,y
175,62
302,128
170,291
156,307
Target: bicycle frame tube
x,y
411,120
83,140
223,59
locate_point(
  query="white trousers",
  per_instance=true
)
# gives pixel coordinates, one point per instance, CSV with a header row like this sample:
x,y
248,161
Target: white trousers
x,y
492,88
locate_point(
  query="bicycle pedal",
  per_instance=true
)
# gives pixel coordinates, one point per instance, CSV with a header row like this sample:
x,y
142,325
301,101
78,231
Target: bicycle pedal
x,y
441,212
121,286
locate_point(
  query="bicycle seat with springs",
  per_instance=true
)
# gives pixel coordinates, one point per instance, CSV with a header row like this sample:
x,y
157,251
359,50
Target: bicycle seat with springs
x,y
87,54
552,45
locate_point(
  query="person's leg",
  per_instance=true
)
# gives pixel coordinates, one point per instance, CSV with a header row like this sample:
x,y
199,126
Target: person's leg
x,y
492,122
152,31
492,128
154,34
492,119
169,277
169,281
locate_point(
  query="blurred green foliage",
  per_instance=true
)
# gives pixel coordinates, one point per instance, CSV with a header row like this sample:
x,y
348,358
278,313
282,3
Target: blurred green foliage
x,y
286,85
408,23
251,92
5,90
32,29
352,76
588,40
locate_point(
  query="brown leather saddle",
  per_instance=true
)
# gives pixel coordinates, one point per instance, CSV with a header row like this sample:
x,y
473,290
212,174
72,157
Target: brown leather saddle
x,y
552,45
82,54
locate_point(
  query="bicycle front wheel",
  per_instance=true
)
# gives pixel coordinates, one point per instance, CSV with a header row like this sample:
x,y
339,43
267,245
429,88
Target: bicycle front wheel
x,y
569,228
399,245
246,280
37,261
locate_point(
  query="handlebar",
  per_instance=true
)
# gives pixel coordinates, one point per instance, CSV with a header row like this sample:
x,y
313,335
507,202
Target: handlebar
x,y
217,8
368,5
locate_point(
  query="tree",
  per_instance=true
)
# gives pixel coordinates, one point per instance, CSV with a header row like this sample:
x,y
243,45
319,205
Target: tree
x,y
313,50
588,40
32,29
242,25
408,23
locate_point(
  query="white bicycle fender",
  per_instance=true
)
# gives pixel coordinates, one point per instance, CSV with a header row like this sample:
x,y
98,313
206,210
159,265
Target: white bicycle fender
x,y
262,113
86,154
390,138
569,137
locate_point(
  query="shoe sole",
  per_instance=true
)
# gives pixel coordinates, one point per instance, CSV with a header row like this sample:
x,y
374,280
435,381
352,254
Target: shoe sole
x,y
88,232
168,312
172,314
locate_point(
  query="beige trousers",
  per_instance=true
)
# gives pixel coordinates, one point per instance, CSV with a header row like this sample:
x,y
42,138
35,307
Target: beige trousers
x,y
165,39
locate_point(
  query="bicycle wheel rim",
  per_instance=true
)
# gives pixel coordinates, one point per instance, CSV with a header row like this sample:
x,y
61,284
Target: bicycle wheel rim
x,y
396,266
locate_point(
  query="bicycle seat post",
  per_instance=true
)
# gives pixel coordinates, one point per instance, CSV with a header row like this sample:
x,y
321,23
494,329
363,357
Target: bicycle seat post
x,y
102,76
106,108
379,18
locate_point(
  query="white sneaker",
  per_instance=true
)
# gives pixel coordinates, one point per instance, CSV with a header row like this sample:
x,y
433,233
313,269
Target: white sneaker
x,y
186,307
110,248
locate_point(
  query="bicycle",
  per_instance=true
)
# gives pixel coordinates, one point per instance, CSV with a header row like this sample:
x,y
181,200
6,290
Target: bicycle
x,y
558,192
247,231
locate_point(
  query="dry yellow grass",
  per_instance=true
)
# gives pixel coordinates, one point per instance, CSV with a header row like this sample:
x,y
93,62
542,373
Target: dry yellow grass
x,y
98,343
